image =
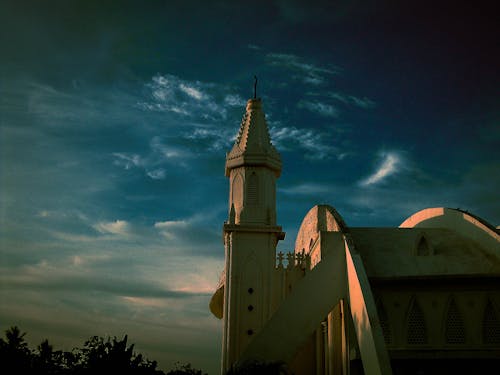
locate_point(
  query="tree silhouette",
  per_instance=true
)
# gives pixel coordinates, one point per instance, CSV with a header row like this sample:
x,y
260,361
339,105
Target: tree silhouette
x,y
261,368
14,352
111,356
47,361
184,369
98,356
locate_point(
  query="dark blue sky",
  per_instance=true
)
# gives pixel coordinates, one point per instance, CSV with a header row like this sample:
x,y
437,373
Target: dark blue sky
x,y
116,117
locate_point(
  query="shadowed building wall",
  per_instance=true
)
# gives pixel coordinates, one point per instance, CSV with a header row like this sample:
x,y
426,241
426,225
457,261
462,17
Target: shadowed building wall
x,y
422,298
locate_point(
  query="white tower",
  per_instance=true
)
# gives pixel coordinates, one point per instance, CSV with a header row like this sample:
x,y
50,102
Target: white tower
x,y
250,234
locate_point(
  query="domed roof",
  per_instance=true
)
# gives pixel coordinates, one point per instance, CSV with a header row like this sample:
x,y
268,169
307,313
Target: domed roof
x,y
467,224
319,218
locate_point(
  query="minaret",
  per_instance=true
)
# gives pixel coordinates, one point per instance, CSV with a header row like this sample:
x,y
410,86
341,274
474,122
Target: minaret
x,y
250,234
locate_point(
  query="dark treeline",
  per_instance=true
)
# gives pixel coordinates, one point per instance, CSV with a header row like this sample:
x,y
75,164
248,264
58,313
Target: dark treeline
x,y
97,356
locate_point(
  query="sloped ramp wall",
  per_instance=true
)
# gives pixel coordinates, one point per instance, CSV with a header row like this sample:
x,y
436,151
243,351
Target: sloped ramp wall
x,y
340,275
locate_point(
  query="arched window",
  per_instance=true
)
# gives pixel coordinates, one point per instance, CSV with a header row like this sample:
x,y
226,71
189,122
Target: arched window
x,y
416,329
454,331
237,191
491,325
423,247
253,190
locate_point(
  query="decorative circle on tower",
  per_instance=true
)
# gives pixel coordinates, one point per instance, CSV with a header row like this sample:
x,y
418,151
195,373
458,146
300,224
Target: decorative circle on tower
x,y
250,308
250,332
250,290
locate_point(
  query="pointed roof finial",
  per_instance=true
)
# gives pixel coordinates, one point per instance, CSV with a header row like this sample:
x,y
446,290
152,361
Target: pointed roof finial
x,y
255,87
253,144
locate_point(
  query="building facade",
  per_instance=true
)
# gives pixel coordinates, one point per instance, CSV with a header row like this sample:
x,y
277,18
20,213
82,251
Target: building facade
x,y
421,298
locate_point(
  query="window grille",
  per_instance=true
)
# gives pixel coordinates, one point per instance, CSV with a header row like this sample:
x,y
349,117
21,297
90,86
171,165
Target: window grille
x,y
491,325
454,328
416,328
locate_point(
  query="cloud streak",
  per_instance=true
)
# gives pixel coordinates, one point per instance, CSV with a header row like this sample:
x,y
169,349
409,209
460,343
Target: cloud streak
x,y
216,139
364,103
391,164
118,227
306,189
157,159
127,161
113,285
306,72
188,234
313,143
191,99
170,228
322,109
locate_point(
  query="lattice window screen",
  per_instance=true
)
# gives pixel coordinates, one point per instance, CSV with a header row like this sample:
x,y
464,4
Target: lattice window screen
x,y
491,325
416,329
454,328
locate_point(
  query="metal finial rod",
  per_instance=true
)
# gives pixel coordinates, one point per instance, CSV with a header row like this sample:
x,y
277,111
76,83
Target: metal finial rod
x,y
255,87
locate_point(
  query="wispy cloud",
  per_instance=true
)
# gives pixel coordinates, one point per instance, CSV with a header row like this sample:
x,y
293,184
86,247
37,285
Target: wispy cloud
x,y
47,102
364,102
50,276
44,213
234,100
253,46
145,163
216,138
193,92
193,99
306,189
156,159
157,174
170,228
189,233
80,107
127,161
391,163
314,143
161,150
118,227
201,110
319,108
307,72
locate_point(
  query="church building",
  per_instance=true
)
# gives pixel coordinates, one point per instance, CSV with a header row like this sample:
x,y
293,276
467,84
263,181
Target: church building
x,y
421,298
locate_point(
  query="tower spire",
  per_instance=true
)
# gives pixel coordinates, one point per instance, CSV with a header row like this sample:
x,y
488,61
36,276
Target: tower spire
x,y
253,145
